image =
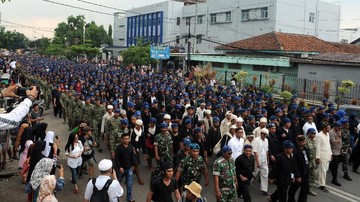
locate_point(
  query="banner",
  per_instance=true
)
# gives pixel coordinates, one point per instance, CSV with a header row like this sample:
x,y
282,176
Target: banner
x,y
160,52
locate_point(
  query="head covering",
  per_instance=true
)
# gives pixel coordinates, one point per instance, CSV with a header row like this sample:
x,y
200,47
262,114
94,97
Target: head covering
x,y
216,119
166,165
300,138
194,146
117,111
124,122
174,125
226,149
139,122
263,120
110,107
194,188
287,120
49,138
337,124
167,116
264,130
188,121
240,119
247,146
344,121
163,125
47,188
228,113
42,169
153,120
311,131
105,165
207,111
270,125
187,142
288,144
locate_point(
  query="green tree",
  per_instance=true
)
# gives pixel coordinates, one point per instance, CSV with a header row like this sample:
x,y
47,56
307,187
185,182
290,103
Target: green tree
x,y
138,55
70,31
343,89
97,35
40,44
110,31
12,39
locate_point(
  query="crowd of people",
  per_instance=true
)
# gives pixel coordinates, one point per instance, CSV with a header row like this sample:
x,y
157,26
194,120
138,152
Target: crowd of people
x,y
182,126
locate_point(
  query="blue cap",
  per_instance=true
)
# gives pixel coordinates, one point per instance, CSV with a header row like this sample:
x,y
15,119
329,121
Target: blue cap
x,y
178,106
130,104
187,142
153,120
174,125
117,111
247,146
287,120
188,121
344,121
270,125
295,117
337,124
251,117
194,146
164,125
155,101
288,144
326,115
216,119
197,130
124,122
278,110
311,130
226,149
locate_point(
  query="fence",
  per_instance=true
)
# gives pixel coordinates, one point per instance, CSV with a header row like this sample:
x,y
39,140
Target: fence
x,y
306,88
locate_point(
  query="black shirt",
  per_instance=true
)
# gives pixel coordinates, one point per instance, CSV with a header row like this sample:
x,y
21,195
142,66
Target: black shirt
x,y
245,166
162,193
125,156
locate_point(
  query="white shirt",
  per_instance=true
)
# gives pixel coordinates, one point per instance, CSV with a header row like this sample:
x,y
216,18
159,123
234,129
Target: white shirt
x,y
200,113
307,125
115,190
261,147
75,162
323,147
106,117
257,132
12,120
236,145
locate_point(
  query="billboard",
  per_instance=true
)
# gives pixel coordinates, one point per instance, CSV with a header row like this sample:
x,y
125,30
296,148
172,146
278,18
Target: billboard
x,y
160,52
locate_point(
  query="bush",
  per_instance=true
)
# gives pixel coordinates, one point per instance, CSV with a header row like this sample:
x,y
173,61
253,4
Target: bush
x,y
286,95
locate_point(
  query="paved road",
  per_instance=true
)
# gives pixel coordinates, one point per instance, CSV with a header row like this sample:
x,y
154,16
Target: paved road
x,y
12,189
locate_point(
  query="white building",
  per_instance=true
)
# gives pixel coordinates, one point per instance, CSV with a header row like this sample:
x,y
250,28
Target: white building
x,y
220,22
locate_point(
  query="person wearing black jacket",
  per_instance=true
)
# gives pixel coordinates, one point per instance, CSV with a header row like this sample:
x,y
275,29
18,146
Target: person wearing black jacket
x,y
301,157
285,133
284,172
137,137
245,165
273,143
125,162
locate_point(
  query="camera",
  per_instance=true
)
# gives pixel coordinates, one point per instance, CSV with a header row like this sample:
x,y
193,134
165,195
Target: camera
x,y
21,91
57,165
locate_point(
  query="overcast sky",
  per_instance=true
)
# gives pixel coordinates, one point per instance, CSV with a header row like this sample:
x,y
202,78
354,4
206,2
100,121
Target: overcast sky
x,y
45,16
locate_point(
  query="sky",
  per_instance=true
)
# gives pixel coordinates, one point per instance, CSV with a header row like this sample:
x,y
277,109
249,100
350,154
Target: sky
x,y
40,17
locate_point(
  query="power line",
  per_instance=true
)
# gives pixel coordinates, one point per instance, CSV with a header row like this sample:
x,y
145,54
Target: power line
x,y
76,7
119,9
30,27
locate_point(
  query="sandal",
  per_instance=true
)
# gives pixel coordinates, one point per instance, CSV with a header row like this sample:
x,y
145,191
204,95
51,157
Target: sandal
x,y
76,190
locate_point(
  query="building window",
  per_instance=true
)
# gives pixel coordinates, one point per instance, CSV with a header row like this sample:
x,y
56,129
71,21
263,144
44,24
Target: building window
x,y
213,18
260,68
177,39
228,16
265,13
198,39
218,64
234,66
121,25
200,19
177,21
188,20
245,15
311,17
159,20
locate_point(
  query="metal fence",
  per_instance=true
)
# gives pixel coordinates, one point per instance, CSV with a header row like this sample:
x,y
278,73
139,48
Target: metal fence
x,y
307,88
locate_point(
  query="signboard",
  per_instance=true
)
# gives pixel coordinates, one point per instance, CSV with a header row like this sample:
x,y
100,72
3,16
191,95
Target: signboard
x,y
160,52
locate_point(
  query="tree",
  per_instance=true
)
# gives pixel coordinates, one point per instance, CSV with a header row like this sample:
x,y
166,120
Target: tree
x,y
40,44
3,1
345,87
12,39
97,35
110,31
138,55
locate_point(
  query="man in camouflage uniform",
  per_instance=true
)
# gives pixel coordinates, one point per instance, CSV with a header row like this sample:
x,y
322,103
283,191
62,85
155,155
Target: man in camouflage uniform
x,y
69,107
63,101
47,94
77,110
115,140
224,172
346,148
192,167
311,145
98,111
163,148
88,112
112,128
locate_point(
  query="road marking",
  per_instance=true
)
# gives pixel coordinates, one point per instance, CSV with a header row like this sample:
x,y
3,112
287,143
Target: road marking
x,y
341,194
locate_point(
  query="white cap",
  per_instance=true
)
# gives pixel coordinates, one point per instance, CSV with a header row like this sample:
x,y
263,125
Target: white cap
x,y
122,112
263,120
264,130
139,122
167,116
203,104
207,111
228,113
233,116
105,165
240,119
232,127
110,107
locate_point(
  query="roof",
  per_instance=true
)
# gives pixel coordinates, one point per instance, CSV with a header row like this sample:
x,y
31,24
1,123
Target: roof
x,y
286,42
347,59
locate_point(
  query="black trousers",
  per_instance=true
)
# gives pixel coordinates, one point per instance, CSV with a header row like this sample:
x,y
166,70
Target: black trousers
x,y
280,193
304,190
243,189
334,165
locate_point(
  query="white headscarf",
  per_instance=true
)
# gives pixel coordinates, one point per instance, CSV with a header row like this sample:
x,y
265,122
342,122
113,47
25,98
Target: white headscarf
x,y
42,169
49,138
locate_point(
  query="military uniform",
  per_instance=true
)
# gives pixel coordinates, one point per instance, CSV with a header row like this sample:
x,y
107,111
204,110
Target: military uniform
x,y
227,184
311,146
77,112
165,151
112,128
88,114
98,112
70,111
345,150
63,98
191,169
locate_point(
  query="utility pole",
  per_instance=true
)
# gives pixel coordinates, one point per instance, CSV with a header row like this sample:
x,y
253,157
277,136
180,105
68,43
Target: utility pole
x,y
196,14
189,49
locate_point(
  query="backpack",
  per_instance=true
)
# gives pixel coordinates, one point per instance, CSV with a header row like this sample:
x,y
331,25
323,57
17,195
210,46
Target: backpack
x,y
100,195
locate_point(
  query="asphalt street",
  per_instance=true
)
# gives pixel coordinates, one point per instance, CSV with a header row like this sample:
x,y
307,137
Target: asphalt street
x,y
12,189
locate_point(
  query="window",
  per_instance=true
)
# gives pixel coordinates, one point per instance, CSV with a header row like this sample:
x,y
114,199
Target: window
x,y
261,68
159,20
188,20
265,13
198,39
200,19
311,17
121,25
245,15
177,21
213,18
177,39
234,66
218,64
228,16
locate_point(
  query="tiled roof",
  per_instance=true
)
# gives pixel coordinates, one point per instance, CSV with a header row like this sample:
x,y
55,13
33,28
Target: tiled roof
x,y
286,42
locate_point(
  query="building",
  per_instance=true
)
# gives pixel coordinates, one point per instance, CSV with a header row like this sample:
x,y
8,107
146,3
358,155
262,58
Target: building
x,y
217,22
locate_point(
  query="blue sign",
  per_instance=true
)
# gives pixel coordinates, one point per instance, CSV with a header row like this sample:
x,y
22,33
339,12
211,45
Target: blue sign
x,y
160,52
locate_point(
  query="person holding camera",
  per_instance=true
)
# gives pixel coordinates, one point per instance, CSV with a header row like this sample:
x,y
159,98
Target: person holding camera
x,y
11,120
88,155
107,175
